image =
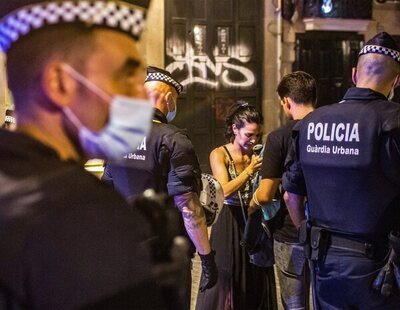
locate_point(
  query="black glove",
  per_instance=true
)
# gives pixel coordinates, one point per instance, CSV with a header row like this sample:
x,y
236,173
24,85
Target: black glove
x,y
209,269
388,279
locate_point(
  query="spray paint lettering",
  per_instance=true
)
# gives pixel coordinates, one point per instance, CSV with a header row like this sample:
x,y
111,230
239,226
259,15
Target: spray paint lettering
x,y
201,69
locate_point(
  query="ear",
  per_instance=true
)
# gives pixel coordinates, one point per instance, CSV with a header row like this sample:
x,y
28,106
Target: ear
x,y
287,102
354,75
234,129
168,97
57,85
170,100
397,81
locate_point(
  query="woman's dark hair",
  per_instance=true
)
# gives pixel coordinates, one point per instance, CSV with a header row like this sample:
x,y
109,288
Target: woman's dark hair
x,y
239,113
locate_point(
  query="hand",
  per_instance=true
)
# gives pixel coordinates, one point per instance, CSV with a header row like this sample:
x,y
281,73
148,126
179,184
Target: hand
x,y
210,273
255,164
388,279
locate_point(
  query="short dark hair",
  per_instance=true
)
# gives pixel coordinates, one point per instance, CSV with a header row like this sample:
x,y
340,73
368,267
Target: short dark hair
x,y
299,86
28,56
238,113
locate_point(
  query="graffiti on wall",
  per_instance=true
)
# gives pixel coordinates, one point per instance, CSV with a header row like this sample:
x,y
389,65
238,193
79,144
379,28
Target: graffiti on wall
x,y
225,71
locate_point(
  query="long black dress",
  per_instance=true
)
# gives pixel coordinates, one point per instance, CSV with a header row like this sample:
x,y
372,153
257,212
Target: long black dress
x,y
241,285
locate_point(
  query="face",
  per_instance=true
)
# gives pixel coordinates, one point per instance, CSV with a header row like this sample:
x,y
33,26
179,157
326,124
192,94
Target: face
x,y
248,135
116,67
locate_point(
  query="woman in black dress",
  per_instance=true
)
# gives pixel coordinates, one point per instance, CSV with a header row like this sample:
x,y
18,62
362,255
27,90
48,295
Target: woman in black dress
x,y
241,285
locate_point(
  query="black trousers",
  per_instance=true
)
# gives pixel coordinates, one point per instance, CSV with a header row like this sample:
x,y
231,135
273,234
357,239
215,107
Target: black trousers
x,y
344,281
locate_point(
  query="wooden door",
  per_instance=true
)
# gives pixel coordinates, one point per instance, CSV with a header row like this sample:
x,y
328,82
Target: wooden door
x,y
214,48
329,57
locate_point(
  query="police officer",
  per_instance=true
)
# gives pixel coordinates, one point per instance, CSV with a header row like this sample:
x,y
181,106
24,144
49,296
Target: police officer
x,y
346,160
66,240
165,161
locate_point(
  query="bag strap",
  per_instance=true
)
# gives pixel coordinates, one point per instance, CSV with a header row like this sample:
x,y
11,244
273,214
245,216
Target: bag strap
x,y
229,154
236,175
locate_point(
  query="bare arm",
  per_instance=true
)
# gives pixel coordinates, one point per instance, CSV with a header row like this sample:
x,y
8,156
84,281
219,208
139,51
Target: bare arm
x,y
264,193
194,220
220,172
295,205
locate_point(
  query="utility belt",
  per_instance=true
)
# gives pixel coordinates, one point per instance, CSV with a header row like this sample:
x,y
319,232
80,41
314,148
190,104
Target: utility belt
x,y
318,240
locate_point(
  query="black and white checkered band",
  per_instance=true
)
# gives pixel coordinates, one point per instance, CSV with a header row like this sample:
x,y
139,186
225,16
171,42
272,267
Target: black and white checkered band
x,y
112,14
9,119
380,50
158,76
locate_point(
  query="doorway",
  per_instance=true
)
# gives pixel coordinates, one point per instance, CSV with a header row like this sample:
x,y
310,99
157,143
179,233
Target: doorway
x,y
328,57
214,48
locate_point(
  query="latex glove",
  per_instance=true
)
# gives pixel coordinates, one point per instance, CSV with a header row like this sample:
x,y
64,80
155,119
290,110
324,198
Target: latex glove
x,y
388,279
209,269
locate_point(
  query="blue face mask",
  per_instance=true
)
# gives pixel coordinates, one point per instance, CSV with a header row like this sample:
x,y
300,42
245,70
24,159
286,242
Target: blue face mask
x,y
129,122
172,114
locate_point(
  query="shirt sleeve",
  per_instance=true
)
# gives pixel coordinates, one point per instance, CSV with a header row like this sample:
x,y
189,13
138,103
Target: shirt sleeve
x,y
107,176
390,155
184,175
293,179
273,159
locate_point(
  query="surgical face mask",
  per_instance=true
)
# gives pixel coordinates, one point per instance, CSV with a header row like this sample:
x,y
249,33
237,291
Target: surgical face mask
x,y
129,122
172,114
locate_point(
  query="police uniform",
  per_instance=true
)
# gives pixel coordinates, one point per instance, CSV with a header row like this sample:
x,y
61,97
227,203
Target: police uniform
x,y
165,161
346,161
67,241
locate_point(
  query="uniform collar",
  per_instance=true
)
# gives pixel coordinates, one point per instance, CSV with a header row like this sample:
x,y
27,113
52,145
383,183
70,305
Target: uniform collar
x,y
358,93
17,144
159,117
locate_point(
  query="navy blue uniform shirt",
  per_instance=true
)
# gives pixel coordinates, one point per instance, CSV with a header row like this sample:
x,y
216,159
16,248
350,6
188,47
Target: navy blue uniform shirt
x,y
66,240
165,161
346,160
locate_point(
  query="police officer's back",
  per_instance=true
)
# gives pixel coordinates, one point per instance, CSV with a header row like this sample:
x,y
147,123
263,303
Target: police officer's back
x,y
166,162
347,163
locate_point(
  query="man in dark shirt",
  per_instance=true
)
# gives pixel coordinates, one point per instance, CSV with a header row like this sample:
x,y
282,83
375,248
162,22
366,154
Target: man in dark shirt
x,y
346,160
297,92
67,241
166,162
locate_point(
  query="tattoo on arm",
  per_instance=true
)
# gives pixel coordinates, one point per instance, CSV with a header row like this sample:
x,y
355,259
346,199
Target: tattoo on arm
x,y
193,219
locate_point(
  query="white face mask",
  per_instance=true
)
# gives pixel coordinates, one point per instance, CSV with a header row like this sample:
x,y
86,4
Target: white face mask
x,y
129,122
172,114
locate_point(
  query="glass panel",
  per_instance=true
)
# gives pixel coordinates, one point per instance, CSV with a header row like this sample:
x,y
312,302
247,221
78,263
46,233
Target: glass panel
x,y
178,8
199,38
223,41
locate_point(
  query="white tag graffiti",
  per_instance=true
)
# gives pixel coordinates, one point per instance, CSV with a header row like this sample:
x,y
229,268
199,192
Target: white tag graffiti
x,y
199,66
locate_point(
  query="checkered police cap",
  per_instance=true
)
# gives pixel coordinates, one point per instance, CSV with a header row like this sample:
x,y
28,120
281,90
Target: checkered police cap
x,y
20,17
383,44
157,74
